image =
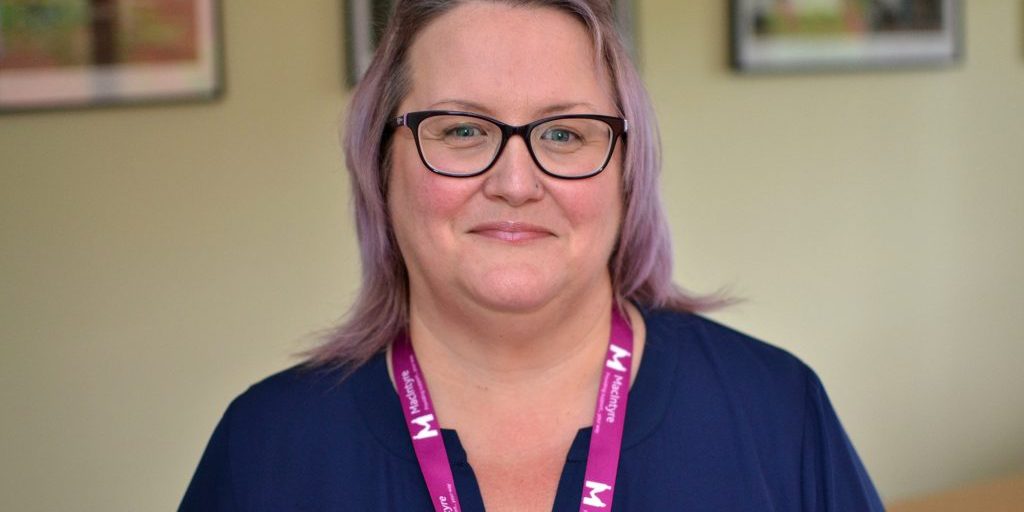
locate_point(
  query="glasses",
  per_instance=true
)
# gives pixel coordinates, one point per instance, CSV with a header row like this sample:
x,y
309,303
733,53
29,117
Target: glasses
x,y
464,144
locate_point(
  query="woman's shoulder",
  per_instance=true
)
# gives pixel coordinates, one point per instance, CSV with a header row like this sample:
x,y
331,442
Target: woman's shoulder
x,y
294,399
720,370
293,386
295,423
725,351
754,409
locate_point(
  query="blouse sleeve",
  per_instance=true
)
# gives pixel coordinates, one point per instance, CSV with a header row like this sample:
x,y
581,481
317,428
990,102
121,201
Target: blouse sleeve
x,y
211,488
833,476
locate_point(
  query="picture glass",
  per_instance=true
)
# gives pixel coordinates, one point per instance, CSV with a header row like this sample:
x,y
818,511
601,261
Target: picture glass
x,y
56,53
815,34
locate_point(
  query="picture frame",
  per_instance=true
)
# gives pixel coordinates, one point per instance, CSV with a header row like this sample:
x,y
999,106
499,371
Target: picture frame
x,y
365,21
823,35
65,54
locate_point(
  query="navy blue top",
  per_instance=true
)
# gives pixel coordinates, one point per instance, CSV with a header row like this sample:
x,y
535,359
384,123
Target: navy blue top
x,y
717,421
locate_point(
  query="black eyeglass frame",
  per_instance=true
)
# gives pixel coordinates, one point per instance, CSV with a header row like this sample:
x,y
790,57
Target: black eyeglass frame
x,y
618,125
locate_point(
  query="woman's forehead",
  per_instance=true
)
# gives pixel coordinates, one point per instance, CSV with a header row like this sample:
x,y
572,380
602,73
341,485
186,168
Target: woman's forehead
x,y
518,60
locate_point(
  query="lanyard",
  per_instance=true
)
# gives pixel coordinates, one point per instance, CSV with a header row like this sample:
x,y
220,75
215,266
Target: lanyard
x,y
605,441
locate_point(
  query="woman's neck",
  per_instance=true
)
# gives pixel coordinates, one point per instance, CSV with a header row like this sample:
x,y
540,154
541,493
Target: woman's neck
x,y
484,363
509,346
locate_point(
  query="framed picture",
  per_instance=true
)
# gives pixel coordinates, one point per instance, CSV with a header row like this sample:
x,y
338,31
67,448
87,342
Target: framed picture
x,y
81,53
365,21
805,35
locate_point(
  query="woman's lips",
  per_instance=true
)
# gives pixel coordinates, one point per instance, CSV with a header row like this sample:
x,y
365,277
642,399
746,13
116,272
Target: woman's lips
x,y
511,231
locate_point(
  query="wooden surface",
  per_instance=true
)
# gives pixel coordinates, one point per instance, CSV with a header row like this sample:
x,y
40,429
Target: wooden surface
x,y
1000,495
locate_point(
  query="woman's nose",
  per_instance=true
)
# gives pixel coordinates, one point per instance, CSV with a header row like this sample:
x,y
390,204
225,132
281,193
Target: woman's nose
x,y
515,177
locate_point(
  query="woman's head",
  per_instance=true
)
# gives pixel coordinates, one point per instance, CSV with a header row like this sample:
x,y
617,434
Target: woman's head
x,y
516,61
513,238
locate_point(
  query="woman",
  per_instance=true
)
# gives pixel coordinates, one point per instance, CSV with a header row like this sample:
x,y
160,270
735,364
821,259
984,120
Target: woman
x,y
516,273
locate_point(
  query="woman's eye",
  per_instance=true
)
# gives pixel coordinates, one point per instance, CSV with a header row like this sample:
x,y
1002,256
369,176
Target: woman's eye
x,y
560,135
464,132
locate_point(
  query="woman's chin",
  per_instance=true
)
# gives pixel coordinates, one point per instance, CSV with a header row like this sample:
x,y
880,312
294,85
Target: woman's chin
x,y
515,294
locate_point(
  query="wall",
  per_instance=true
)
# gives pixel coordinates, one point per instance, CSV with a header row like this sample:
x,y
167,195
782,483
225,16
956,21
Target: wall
x,y
873,220
157,260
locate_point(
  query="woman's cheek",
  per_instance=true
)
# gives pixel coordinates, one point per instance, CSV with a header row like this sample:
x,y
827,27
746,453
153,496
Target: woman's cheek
x,y
588,203
444,196
419,192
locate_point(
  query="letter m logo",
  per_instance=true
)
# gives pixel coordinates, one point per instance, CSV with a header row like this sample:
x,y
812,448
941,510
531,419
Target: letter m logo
x,y
595,488
618,353
426,429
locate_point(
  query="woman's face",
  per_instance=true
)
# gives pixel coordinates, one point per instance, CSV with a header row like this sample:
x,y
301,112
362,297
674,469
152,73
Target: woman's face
x,y
512,239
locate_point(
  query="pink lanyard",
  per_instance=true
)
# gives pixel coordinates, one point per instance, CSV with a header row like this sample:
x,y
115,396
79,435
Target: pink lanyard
x,y
605,441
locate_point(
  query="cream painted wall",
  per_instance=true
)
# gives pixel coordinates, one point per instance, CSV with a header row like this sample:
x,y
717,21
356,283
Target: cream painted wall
x,y
157,260
874,221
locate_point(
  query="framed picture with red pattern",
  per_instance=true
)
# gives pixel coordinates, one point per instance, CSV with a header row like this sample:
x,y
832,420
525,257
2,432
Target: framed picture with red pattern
x,y
58,54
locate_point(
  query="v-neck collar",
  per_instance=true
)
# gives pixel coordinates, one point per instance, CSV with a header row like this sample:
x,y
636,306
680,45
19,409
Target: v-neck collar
x,y
378,403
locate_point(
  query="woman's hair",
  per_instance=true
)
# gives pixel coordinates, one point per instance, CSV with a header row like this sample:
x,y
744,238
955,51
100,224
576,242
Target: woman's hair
x,y
641,262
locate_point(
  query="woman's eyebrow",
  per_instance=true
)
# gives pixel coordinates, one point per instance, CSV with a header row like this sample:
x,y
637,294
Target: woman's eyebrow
x,y
468,106
556,108
559,108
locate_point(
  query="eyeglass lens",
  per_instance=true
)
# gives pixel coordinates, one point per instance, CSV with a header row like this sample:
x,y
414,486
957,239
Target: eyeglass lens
x,y
462,145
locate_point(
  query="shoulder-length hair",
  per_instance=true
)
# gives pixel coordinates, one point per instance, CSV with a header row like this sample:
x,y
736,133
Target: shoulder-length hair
x,y
641,263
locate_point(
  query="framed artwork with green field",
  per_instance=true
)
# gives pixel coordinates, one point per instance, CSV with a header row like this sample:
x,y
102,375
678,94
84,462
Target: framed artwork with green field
x,y
811,35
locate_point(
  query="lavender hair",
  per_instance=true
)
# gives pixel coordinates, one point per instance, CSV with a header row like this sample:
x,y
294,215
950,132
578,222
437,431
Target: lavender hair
x,y
641,263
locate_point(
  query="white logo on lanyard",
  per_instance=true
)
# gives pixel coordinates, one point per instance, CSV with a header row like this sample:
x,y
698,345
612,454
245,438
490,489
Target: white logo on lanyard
x,y
595,488
615,363
427,430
